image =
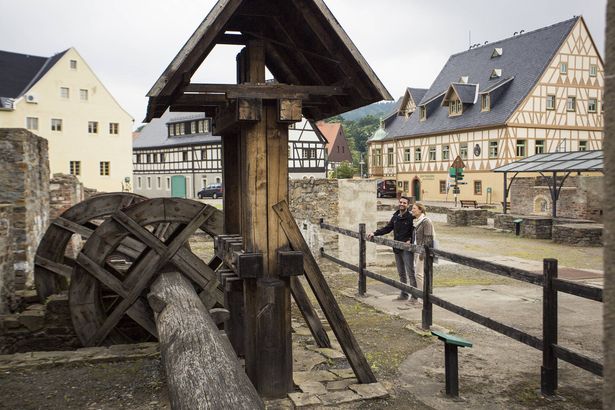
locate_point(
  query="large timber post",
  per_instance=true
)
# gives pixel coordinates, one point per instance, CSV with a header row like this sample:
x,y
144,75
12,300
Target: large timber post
x,y
264,175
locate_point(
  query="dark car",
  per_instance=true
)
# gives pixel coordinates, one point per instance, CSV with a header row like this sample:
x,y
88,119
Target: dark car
x,y
213,190
387,187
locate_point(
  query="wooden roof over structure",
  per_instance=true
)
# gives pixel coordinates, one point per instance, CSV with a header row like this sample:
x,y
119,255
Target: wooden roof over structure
x,y
307,51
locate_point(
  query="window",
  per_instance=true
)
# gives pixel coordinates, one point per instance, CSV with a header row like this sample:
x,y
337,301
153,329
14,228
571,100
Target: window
x,y
148,158
56,124
139,183
583,145
162,157
105,168
158,182
540,146
521,148
73,64
496,73
168,183
171,130
463,151
455,107
432,153
93,127
422,113
64,92
485,102
593,70
203,154
550,102
478,187
592,105
390,157
445,152
149,182
493,149
83,94
74,168
571,104
32,123
417,154
407,155
184,156
308,153
138,158
114,128
563,68
442,186
377,157
218,180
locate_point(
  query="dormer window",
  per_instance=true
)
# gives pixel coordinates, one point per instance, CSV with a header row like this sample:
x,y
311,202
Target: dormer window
x,y
496,73
463,79
485,102
455,107
422,113
496,52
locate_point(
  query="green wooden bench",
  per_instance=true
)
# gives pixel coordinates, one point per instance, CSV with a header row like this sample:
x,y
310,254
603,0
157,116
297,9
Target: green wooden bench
x,y
451,371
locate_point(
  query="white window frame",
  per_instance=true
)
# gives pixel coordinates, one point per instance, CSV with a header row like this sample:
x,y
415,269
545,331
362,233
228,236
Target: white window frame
x,y
493,149
105,168
563,67
83,94
550,104
407,155
571,103
463,150
446,152
74,168
583,145
593,70
92,127
32,123
432,153
64,93
114,128
594,102
56,124
73,64
539,147
418,154
521,148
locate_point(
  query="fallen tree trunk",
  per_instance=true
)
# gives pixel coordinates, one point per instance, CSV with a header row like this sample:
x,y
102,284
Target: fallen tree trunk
x,y
200,364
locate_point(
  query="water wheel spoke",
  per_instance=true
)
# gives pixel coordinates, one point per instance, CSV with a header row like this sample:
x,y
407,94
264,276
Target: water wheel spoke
x,y
139,311
54,267
73,227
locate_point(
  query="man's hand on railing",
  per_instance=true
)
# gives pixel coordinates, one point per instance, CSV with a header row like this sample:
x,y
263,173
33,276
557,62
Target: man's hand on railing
x,y
370,235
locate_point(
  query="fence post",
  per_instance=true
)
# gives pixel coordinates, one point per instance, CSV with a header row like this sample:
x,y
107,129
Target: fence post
x,y
548,371
362,261
427,312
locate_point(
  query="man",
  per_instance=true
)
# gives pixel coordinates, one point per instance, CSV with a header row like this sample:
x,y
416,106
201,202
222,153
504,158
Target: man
x,y
402,227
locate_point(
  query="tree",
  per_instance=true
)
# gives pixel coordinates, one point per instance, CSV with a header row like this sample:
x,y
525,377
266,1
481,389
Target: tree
x,y
344,170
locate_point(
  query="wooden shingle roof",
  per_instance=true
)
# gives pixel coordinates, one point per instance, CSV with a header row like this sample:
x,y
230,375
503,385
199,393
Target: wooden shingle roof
x,y
304,46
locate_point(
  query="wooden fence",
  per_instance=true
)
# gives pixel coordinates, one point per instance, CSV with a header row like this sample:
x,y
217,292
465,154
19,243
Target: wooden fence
x,y
551,284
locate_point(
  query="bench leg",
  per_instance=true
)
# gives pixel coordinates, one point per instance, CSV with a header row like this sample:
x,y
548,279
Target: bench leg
x,y
451,373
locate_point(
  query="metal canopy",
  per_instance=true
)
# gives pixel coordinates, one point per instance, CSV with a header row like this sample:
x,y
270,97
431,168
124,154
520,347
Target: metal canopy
x,y
559,161
563,162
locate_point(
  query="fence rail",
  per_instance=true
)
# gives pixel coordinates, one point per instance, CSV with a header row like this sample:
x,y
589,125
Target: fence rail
x,y
548,280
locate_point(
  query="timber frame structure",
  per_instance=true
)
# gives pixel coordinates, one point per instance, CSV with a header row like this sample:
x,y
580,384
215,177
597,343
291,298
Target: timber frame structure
x,y
318,73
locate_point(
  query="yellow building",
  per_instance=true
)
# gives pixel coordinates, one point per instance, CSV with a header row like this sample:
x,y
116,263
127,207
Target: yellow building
x,y
61,99
535,92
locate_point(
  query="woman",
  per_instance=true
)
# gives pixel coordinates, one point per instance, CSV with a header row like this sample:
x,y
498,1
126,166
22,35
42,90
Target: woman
x,y
424,235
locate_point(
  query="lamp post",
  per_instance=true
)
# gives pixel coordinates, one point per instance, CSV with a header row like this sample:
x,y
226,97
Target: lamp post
x,y
362,162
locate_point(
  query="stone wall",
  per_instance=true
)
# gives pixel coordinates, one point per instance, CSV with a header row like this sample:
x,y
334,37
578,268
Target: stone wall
x,y
7,271
578,234
581,197
65,191
24,183
466,217
312,199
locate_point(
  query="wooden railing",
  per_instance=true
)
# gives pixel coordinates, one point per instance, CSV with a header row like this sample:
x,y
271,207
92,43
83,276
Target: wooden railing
x,y
551,284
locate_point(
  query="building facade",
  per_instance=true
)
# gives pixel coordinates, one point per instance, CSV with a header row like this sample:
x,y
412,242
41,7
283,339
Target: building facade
x,y
338,150
536,92
60,99
176,155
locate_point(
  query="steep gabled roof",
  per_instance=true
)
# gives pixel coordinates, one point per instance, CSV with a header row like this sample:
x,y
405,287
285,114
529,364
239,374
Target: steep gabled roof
x,y
524,59
334,134
19,72
305,46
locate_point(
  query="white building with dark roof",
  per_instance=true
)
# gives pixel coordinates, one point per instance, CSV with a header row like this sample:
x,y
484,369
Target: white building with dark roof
x,y
535,92
60,99
177,155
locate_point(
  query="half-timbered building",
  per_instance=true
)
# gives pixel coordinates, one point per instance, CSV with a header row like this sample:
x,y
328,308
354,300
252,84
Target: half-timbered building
x,y
177,155
535,92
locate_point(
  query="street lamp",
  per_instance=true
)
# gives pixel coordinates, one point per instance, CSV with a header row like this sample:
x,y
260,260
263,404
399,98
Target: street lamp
x,y
362,162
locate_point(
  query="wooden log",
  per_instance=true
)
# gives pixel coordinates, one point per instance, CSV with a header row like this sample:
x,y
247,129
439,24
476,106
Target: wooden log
x,y
309,314
201,367
325,296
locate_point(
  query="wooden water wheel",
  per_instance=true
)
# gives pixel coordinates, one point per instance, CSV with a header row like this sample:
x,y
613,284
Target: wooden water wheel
x,y
101,293
52,266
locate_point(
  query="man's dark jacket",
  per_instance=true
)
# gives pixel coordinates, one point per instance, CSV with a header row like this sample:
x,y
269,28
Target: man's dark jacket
x,y
401,226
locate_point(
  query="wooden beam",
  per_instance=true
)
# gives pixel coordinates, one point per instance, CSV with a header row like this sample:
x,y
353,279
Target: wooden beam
x,y
232,39
309,313
266,91
325,296
201,368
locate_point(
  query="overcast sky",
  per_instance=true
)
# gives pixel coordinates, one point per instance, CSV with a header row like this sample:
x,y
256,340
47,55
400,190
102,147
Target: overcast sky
x,y
129,43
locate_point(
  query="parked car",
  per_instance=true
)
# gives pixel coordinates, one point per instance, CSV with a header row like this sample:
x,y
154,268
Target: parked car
x,y
387,187
213,190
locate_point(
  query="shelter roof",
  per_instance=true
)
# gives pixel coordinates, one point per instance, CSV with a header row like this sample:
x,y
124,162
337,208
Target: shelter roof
x,y
305,46
558,161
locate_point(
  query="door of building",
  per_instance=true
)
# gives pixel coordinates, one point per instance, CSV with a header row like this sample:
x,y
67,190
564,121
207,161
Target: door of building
x,y
178,186
416,189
